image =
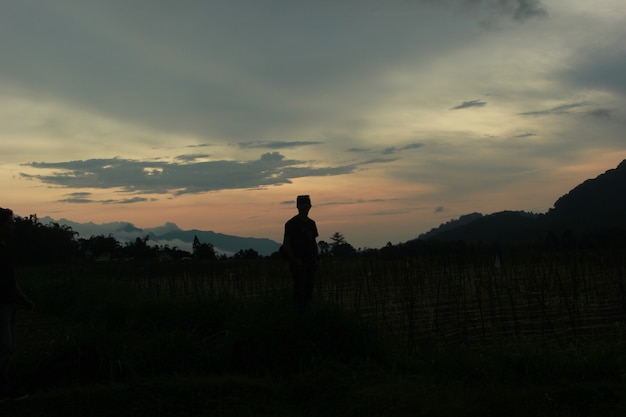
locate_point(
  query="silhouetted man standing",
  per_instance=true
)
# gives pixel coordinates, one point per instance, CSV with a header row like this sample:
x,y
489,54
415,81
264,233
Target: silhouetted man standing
x,y
300,248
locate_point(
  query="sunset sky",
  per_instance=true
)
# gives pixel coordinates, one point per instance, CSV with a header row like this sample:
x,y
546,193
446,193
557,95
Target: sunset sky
x,y
395,115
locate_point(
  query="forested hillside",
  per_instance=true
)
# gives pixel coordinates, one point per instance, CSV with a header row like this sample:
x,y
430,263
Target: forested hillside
x,y
596,208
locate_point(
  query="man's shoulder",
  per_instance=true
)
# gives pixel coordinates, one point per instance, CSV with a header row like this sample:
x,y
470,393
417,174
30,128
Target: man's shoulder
x,y
294,219
299,220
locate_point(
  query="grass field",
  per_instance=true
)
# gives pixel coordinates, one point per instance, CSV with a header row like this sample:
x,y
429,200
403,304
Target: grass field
x,y
416,336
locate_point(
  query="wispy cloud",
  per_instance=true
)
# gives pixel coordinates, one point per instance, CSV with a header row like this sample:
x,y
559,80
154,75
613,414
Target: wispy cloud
x,y
191,157
520,10
602,113
412,146
356,201
200,145
524,9
469,104
78,198
525,135
393,212
379,160
277,144
129,200
87,198
562,109
394,149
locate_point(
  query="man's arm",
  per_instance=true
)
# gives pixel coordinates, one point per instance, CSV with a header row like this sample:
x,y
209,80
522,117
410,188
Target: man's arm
x,y
287,247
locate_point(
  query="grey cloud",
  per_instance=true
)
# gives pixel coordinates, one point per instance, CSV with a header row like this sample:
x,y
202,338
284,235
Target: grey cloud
x,y
392,212
200,145
136,176
602,113
80,194
412,146
358,150
439,209
380,160
562,109
277,144
199,70
78,198
191,157
357,201
527,9
84,198
519,10
296,172
599,68
272,156
129,200
392,149
525,135
468,104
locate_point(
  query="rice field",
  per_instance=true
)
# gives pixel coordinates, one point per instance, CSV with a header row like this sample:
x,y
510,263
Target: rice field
x,y
533,334
428,303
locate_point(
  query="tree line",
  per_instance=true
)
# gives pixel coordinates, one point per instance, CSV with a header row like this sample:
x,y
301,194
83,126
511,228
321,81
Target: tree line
x,y
35,243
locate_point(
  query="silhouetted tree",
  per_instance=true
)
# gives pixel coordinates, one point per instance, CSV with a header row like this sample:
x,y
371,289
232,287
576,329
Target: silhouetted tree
x,y
36,243
337,239
99,246
324,247
139,249
339,245
203,251
246,254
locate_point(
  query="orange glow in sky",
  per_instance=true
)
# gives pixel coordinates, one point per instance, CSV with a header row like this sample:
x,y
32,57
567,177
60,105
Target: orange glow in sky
x,y
395,118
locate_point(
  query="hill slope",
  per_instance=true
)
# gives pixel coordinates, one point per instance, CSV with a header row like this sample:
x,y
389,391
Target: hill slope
x,y
597,205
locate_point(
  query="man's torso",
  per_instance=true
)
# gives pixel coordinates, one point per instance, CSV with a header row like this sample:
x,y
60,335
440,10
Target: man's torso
x,y
302,233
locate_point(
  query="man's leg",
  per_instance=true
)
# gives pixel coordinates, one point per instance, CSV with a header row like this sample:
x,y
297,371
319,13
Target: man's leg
x,y
309,283
298,273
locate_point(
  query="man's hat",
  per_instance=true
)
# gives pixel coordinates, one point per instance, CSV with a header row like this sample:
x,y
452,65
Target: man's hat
x,y
303,199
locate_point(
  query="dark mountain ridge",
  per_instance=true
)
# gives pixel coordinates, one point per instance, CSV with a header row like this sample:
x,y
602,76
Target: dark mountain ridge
x,y
597,203
597,206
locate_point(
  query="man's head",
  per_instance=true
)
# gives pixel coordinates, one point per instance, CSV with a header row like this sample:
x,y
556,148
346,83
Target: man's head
x,y
303,202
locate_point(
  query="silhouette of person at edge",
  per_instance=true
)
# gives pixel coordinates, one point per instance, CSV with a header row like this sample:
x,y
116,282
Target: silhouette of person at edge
x,y
300,250
10,295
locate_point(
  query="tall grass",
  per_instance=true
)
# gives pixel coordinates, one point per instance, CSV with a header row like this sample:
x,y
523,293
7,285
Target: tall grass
x,y
436,335
429,303
113,331
426,303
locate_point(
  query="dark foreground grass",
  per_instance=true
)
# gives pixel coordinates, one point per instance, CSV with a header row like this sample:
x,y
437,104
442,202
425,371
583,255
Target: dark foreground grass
x,y
112,351
320,393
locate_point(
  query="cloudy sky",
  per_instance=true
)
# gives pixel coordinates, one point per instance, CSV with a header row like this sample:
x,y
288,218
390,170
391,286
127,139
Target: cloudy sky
x,y
395,115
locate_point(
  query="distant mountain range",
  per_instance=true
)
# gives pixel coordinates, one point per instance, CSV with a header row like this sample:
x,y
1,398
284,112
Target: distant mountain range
x,y
596,206
171,235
